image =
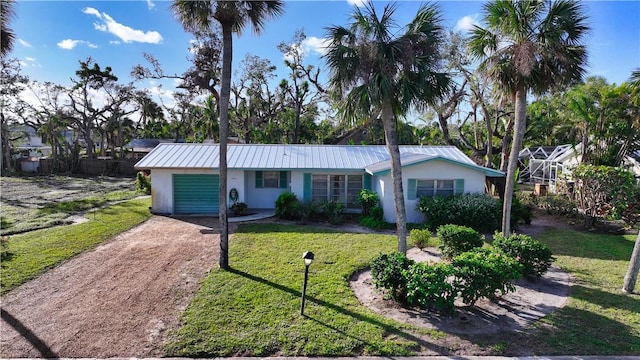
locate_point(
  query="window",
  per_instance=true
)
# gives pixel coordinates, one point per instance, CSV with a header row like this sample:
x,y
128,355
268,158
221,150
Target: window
x,y
340,188
418,188
271,179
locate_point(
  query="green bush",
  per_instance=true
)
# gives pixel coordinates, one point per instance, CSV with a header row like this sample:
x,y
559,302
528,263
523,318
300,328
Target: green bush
x,y
478,211
482,273
456,239
238,209
311,211
288,206
143,183
334,211
429,285
387,272
367,200
520,212
534,256
422,238
375,223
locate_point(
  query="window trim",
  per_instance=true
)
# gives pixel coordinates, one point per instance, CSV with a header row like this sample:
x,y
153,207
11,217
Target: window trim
x,y
412,187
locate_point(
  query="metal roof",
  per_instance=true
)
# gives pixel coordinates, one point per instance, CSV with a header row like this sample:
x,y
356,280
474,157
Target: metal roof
x,y
286,157
407,159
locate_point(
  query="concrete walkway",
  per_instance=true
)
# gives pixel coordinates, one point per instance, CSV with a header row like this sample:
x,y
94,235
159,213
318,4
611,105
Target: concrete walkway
x,y
256,214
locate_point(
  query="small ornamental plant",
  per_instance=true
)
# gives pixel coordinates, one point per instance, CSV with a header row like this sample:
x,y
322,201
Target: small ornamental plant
x,y
143,183
422,238
288,207
455,240
431,286
484,273
534,256
388,272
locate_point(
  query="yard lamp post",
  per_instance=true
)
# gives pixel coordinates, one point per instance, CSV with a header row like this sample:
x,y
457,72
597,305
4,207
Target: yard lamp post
x,y
308,258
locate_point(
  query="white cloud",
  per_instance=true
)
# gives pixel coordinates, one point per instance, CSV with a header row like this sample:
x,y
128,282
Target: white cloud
x,y
69,44
316,45
115,42
123,32
467,23
357,3
24,43
92,11
151,5
30,59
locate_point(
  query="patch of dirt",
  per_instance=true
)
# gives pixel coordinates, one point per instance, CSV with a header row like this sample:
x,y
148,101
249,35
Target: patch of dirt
x,y
117,300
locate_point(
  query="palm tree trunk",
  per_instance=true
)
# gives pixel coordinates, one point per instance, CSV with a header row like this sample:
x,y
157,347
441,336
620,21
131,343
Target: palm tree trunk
x,y
518,134
225,93
391,135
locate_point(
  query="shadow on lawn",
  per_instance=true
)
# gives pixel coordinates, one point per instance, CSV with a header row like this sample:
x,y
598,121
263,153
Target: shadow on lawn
x,y
360,317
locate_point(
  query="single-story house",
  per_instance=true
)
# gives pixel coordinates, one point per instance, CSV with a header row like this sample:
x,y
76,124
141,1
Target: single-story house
x,y
185,177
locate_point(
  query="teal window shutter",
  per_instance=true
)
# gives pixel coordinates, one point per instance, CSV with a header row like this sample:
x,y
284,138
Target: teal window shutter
x,y
259,183
412,189
459,186
283,180
367,179
306,193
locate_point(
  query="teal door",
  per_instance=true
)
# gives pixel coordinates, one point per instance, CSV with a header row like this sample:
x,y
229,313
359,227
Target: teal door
x,y
196,193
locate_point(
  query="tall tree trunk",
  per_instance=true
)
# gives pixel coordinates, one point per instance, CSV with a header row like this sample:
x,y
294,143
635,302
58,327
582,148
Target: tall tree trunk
x,y
391,136
634,267
518,134
225,93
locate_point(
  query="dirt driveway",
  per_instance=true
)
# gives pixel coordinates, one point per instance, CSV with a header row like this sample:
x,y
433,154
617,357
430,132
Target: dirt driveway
x,y
116,300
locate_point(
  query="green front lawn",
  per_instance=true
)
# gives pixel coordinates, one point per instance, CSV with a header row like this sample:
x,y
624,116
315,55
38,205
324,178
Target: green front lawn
x,y
254,310
34,252
598,318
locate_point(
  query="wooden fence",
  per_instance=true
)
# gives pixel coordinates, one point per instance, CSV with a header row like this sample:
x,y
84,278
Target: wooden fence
x,y
96,167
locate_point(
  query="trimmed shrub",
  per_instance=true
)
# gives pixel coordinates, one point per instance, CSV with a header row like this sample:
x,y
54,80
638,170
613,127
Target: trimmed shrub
x,y
288,206
534,256
334,211
478,211
456,239
422,238
430,286
143,183
483,273
387,272
367,200
520,212
238,208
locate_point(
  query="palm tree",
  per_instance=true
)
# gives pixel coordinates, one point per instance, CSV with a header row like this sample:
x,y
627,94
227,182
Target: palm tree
x,y
385,74
232,16
7,36
529,46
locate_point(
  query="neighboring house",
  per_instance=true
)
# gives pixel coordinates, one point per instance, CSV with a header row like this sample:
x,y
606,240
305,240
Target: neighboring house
x,y
545,164
185,177
139,148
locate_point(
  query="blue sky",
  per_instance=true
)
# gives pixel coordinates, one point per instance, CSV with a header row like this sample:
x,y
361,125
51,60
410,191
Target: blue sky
x,y
54,35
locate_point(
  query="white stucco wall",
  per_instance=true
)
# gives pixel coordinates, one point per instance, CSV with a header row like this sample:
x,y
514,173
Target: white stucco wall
x,y
474,182
162,188
260,198
236,180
